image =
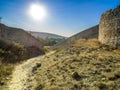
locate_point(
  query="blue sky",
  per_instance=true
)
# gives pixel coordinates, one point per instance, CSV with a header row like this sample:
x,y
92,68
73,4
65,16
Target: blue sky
x,y
65,17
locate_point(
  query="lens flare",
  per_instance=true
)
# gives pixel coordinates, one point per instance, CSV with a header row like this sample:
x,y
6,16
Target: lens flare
x,y
37,12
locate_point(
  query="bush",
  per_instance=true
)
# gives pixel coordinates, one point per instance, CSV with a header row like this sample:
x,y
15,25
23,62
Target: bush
x,y
46,49
11,52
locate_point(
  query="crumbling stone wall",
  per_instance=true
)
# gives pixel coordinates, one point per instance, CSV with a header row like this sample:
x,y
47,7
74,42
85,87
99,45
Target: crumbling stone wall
x,y
109,28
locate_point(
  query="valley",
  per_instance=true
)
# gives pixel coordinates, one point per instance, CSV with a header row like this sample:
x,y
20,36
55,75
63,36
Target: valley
x,y
88,60
86,64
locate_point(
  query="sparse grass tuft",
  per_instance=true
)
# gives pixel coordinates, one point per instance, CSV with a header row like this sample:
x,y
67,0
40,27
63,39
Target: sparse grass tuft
x,y
47,49
5,72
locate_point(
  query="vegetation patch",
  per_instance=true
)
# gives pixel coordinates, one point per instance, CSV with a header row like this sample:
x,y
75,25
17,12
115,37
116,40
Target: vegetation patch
x,y
10,53
85,65
5,72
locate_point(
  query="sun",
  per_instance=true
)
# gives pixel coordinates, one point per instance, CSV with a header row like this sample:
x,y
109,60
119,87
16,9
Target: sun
x,y
37,12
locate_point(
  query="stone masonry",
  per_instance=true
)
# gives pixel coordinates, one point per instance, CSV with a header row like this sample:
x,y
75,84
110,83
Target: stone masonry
x,y
109,28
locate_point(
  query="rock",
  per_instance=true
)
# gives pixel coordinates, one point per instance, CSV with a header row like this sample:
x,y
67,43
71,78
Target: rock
x,y
39,87
1,83
76,76
102,86
38,65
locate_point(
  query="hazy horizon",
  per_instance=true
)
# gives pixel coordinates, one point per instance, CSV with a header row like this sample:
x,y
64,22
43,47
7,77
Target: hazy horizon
x,y
63,17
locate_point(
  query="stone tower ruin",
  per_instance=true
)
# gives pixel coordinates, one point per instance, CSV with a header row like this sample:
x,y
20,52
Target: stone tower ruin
x,y
109,28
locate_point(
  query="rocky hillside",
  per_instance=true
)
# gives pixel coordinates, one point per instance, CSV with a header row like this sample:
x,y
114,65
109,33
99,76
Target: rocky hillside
x,y
44,35
86,34
85,65
20,36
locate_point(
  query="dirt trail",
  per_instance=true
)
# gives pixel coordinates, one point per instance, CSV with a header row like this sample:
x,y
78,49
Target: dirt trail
x,y
22,77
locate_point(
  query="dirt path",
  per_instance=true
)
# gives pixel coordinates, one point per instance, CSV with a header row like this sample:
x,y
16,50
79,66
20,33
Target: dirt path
x,y
22,77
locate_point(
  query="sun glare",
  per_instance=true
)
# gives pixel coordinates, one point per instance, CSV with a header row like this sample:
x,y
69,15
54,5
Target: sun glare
x,y
37,12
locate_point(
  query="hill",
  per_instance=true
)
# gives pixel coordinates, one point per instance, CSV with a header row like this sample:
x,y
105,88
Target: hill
x,y
48,39
85,65
85,34
44,35
10,53
33,46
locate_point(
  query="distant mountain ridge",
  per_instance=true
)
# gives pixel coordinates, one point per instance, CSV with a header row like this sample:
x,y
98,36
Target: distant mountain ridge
x,y
45,35
33,45
85,34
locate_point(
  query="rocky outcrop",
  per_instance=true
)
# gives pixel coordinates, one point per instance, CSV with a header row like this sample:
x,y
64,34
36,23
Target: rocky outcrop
x,y
33,45
86,34
109,28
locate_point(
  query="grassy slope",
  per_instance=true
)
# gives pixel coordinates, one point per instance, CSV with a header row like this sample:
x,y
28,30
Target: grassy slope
x,y
9,53
86,65
5,73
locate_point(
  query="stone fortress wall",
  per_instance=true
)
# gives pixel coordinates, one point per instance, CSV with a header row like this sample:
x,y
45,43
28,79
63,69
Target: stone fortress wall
x,y
109,28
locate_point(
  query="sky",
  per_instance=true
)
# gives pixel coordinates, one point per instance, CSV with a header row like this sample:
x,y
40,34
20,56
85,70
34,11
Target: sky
x,y
64,17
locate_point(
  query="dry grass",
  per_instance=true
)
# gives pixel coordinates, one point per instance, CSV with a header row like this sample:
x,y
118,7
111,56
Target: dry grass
x,y
92,43
9,54
5,72
86,65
